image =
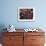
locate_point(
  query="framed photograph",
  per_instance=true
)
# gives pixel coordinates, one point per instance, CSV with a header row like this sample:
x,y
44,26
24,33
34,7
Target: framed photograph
x,y
26,14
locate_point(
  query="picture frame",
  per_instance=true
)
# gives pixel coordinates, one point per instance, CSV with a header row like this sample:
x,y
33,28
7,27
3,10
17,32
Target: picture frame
x,y
26,14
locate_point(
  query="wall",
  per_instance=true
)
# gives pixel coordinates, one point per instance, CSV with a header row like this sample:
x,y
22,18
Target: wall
x,y
9,13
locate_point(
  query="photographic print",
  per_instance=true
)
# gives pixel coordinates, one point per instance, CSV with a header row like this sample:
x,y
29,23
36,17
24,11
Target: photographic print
x,y
26,14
